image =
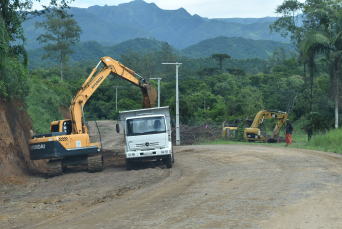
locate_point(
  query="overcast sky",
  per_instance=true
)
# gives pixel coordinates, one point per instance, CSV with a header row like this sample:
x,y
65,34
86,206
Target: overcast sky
x,y
204,8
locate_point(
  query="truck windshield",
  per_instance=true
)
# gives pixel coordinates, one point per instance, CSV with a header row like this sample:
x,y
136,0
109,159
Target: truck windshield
x,y
149,125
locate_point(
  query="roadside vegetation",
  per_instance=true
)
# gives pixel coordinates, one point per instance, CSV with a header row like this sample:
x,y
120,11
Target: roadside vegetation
x,y
329,141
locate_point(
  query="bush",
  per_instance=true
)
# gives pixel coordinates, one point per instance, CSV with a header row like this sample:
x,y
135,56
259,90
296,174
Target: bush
x,y
240,132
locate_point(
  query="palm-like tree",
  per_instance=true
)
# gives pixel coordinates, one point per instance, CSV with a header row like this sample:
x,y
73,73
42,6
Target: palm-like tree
x,y
331,46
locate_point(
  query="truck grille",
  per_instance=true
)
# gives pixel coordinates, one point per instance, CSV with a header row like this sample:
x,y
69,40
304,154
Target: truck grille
x,y
151,144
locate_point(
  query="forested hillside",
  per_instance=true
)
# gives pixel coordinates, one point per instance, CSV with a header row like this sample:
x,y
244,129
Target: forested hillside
x,y
110,25
237,48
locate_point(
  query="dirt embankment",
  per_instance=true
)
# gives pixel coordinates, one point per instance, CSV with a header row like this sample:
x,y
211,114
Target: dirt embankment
x,y
192,134
15,126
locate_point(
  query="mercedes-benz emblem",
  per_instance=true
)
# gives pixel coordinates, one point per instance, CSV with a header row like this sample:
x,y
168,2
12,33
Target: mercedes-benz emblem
x,y
147,144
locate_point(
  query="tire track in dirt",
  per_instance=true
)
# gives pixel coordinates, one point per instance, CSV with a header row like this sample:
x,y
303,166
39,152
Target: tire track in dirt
x,y
235,186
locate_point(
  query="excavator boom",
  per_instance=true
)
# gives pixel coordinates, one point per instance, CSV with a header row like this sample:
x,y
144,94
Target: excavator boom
x,y
92,83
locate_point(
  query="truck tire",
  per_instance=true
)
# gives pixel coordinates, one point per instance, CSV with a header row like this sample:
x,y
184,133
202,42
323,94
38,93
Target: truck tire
x,y
54,168
129,165
168,162
95,163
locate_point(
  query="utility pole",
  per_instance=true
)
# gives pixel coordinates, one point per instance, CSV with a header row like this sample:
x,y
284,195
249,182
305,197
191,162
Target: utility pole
x,y
177,105
116,98
158,89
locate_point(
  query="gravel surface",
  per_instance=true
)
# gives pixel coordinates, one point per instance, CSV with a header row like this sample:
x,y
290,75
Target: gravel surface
x,y
216,186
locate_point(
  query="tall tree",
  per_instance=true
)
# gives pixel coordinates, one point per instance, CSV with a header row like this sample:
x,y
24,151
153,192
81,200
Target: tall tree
x,y
15,12
325,38
13,73
332,47
220,57
62,32
166,56
289,23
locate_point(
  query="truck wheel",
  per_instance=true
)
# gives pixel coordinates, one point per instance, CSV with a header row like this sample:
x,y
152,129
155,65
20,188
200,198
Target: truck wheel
x,y
129,165
54,168
95,163
168,161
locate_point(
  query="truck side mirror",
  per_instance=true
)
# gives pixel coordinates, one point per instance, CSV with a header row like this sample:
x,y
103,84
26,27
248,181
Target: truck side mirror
x,y
117,128
173,123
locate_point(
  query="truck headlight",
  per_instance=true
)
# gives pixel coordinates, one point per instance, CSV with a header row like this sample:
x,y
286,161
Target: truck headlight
x,y
129,154
133,154
162,151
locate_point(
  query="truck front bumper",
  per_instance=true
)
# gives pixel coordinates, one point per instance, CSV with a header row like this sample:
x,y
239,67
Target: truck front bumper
x,y
148,154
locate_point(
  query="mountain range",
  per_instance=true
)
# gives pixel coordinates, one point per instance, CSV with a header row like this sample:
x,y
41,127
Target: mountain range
x,y
236,47
111,25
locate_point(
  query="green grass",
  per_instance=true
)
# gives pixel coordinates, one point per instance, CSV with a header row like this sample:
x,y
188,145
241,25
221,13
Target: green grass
x,y
329,142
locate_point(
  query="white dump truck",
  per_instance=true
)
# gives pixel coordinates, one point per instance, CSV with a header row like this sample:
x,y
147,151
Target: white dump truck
x,y
147,136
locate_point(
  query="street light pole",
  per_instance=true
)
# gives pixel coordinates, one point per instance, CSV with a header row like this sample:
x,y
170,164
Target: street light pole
x,y
116,98
158,89
177,105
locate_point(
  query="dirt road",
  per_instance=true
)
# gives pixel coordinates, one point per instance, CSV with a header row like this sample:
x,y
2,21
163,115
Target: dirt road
x,y
230,186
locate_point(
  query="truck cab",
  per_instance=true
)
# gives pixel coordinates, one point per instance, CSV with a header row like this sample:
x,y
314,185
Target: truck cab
x,y
147,136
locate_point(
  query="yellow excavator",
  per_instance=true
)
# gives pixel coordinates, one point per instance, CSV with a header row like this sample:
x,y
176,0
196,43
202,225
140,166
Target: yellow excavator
x,y
68,141
255,134
233,127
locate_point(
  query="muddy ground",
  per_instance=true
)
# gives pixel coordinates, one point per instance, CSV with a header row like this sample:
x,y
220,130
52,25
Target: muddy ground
x,y
220,186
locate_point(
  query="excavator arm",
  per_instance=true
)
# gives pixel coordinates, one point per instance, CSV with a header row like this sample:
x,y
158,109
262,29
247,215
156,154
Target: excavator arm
x,y
281,120
254,131
92,83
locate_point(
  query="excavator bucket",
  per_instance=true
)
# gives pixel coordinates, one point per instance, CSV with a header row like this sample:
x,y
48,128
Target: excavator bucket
x,y
150,95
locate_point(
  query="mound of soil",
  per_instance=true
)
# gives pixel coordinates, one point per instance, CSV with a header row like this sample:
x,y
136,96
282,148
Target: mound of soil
x,y
15,130
192,134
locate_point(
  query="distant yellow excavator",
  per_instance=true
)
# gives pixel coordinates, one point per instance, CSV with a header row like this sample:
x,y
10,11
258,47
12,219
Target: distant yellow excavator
x,y
255,134
68,141
233,127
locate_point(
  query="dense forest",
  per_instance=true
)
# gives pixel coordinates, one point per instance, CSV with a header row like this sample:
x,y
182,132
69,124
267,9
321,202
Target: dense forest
x,y
299,82
207,95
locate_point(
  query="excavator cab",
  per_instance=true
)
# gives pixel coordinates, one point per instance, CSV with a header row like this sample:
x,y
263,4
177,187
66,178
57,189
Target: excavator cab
x,y
64,126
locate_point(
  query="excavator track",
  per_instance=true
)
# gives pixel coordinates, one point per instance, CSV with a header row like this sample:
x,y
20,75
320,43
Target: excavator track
x,y
95,163
54,168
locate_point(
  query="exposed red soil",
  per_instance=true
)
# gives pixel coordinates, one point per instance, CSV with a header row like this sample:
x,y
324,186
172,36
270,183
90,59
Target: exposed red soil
x,y
15,126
